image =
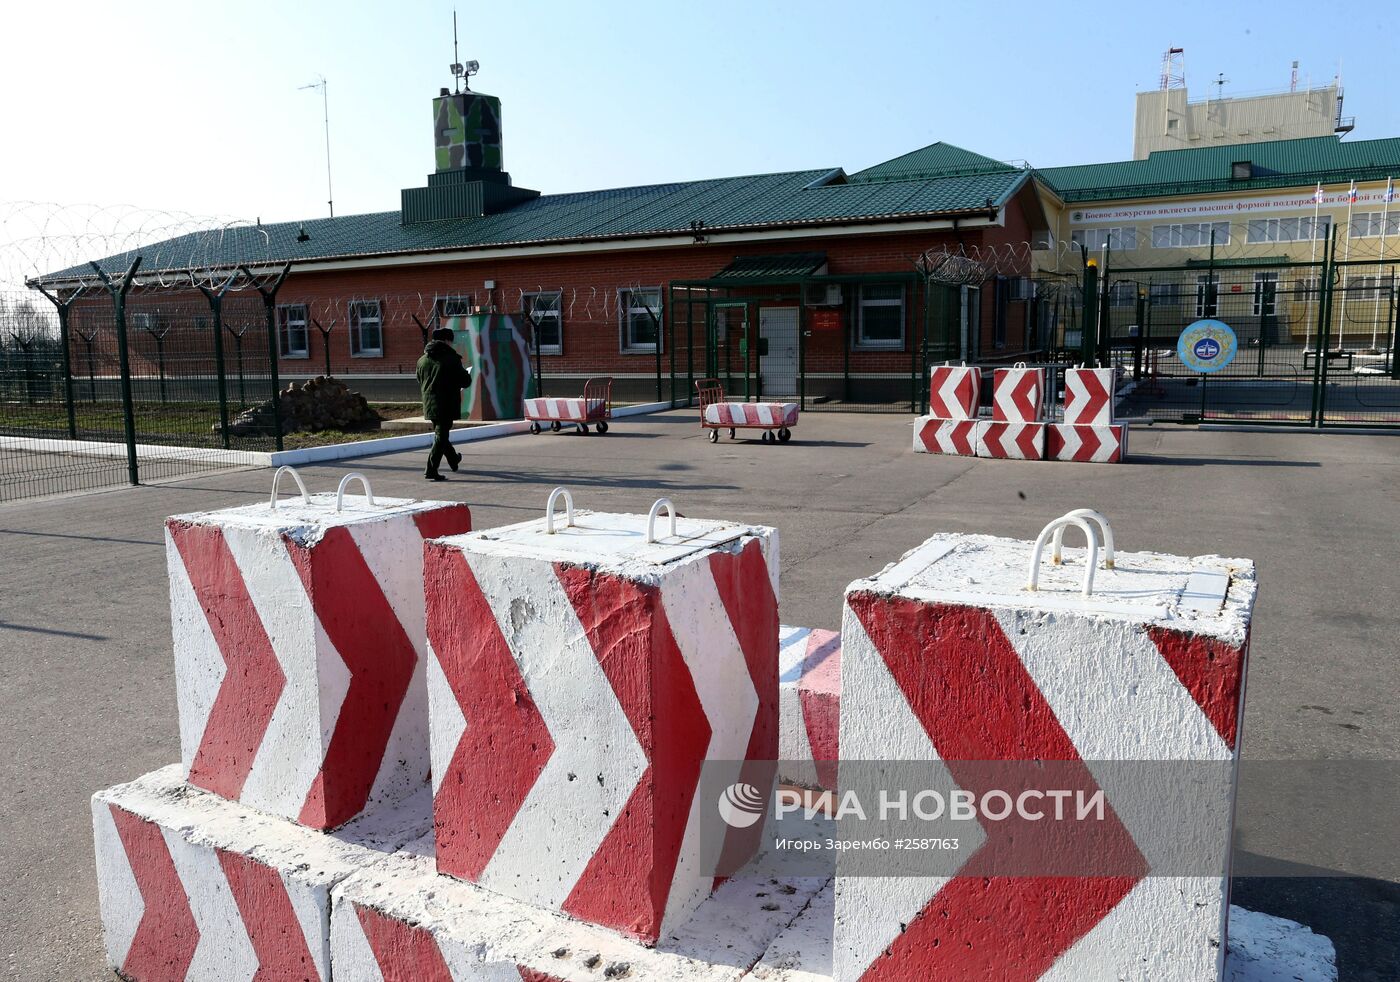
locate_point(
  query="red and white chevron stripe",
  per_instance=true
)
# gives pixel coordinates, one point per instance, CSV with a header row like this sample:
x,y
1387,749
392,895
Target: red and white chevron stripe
x,y
1087,444
402,921
949,660
1010,441
194,887
1017,395
945,436
1089,396
809,706
954,391
569,679
299,642
565,409
751,414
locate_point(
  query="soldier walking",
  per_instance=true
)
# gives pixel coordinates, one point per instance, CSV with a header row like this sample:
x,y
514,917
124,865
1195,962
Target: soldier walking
x,y
441,378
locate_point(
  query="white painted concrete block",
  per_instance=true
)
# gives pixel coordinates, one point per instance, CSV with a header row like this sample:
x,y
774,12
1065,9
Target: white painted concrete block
x,y
299,651
809,706
948,658
192,886
611,670
403,920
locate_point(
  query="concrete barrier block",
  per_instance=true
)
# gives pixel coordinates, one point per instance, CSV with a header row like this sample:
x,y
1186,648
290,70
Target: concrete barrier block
x,y
1010,441
934,434
612,669
949,659
1089,396
1107,444
954,391
299,643
1018,395
192,886
403,920
809,705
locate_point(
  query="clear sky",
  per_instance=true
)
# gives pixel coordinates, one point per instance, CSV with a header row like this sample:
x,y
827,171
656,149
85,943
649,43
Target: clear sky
x,y
195,106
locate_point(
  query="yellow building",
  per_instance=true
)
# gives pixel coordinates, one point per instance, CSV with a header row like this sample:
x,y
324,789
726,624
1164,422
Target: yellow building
x,y
1236,231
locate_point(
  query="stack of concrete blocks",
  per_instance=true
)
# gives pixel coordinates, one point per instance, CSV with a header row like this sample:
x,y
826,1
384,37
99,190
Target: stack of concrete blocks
x,y
1088,432
299,662
954,399
964,652
1016,430
618,660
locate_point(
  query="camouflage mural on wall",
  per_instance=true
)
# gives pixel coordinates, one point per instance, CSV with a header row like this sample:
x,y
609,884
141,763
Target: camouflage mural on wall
x,y
498,352
468,131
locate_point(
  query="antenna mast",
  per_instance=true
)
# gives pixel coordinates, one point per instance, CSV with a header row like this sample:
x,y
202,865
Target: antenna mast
x,y
1174,68
320,83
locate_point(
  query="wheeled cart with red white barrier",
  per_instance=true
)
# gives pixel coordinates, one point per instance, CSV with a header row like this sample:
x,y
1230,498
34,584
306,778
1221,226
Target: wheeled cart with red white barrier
x,y
775,419
594,408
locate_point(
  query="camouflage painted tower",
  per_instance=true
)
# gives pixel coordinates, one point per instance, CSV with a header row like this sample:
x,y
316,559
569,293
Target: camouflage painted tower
x,y
468,181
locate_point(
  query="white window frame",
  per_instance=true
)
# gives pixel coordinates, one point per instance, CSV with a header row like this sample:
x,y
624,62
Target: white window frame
x,y
1294,229
1175,235
1122,293
285,319
440,305
1118,238
1204,282
859,342
625,310
556,313
1260,278
357,317
1163,294
1367,224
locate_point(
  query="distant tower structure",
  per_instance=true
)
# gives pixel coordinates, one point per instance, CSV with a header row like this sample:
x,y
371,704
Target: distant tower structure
x,y
1293,80
1174,68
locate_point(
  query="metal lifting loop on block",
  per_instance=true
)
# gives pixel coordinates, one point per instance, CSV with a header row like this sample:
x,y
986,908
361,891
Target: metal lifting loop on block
x,y
277,478
1104,527
549,510
345,481
1033,576
656,510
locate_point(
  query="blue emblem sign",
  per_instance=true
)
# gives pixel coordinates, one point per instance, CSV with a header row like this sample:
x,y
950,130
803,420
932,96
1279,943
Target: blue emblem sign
x,y
1207,346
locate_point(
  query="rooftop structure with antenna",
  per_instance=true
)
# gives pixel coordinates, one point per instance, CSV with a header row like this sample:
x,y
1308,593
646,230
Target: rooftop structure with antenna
x,y
1167,119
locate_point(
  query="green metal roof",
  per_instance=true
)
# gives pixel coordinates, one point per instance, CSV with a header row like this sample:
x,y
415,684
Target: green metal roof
x,y
934,160
796,198
780,266
1280,163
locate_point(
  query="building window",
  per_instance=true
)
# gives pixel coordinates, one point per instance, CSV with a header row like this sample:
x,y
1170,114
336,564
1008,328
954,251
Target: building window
x,y
1371,223
1122,293
1288,229
291,330
1163,295
545,312
640,315
1116,239
1189,234
1265,294
1364,288
880,316
1305,290
1207,289
1241,170
366,329
460,305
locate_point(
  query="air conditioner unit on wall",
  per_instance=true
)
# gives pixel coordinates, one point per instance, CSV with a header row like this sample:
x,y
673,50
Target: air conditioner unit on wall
x,y
822,295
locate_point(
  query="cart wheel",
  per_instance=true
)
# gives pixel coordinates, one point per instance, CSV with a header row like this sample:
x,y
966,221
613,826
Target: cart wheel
x,y
602,426
583,427
784,434
556,426
731,433
534,426
714,436
767,436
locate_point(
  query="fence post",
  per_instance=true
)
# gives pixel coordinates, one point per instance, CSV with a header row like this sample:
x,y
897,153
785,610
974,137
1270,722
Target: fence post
x,y
1089,317
63,306
1138,341
216,308
1324,316
118,292
269,299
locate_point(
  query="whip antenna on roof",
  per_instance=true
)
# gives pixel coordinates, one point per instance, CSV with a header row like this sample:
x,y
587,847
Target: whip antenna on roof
x,y
461,72
320,83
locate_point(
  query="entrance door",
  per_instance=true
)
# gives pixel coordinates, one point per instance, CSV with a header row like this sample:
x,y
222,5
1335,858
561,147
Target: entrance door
x,y
777,351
